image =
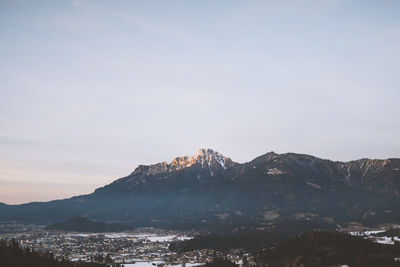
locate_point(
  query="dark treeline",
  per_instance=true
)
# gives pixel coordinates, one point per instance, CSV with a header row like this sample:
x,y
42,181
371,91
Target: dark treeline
x,y
392,232
329,249
251,240
11,255
220,262
313,249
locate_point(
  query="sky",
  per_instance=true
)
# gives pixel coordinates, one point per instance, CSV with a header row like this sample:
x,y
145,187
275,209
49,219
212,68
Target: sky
x,y
91,89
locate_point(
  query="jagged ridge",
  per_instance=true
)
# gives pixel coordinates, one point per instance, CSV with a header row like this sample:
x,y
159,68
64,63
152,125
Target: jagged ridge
x,y
207,159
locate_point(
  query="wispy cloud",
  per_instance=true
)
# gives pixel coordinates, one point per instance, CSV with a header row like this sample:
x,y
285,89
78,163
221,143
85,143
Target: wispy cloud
x,y
158,28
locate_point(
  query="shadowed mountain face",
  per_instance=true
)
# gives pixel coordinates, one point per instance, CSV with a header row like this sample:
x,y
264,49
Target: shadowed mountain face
x,y
209,189
80,224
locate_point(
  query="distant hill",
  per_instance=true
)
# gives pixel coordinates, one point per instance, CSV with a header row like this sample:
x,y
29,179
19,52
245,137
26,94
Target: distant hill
x,y
81,224
330,249
210,191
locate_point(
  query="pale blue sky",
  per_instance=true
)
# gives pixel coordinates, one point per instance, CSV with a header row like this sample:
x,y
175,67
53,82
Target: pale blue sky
x,y
91,89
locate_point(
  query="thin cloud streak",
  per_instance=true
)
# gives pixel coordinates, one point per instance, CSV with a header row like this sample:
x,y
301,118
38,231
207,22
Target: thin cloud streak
x,y
160,29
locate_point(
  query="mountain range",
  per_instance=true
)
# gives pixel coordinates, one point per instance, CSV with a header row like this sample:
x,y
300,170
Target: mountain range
x,y
210,190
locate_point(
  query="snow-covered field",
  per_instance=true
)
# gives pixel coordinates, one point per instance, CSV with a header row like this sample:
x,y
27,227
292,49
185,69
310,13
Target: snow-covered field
x,y
166,238
153,264
378,239
150,237
386,240
367,233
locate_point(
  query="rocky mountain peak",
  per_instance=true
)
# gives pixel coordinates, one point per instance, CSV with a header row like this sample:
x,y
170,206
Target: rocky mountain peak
x,y
206,159
211,160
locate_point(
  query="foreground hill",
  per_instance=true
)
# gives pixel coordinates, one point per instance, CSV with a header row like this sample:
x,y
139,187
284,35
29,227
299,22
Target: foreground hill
x,y
330,249
250,239
210,190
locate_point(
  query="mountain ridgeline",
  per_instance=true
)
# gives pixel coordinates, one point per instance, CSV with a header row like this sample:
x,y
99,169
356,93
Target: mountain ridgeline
x,y
210,190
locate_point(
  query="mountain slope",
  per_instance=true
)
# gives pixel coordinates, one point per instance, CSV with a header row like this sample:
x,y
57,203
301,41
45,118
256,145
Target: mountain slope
x,y
209,189
81,224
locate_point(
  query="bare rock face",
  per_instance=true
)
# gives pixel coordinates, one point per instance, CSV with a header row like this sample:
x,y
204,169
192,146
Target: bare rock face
x,y
205,159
